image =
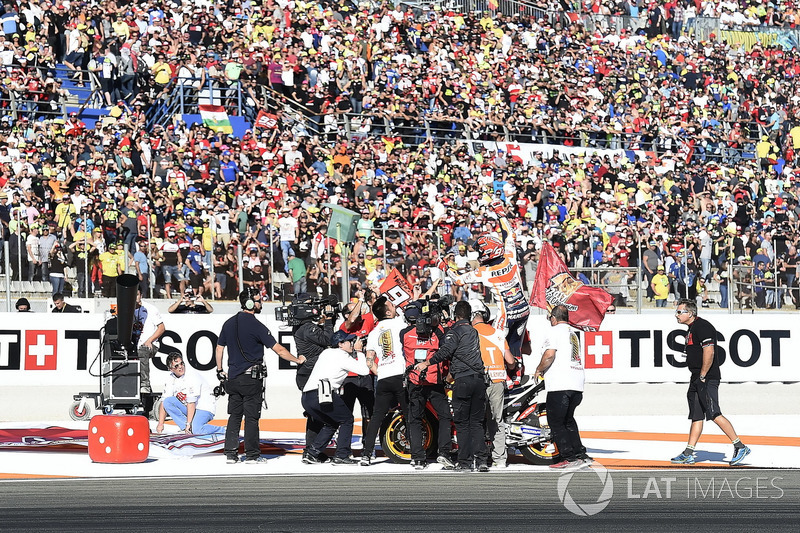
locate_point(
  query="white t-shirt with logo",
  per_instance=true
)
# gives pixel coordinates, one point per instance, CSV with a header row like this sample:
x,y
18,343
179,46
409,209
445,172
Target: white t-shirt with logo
x,y
287,227
384,340
193,389
566,372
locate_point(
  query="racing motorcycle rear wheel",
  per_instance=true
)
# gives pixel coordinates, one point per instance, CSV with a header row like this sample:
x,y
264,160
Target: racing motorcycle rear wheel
x,y
394,437
541,453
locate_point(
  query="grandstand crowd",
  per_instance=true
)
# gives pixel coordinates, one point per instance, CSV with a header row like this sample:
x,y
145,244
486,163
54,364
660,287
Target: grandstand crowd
x,y
691,149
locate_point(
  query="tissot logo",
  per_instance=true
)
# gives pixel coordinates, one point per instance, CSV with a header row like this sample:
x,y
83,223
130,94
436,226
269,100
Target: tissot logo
x,y
41,347
599,349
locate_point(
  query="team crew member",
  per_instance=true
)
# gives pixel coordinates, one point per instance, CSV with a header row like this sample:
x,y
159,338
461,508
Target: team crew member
x,y
702,361
385,359
562,362
187,399
496,356
311,337
500,272
420,341
359,321
148,326
321,397
245,338
461,346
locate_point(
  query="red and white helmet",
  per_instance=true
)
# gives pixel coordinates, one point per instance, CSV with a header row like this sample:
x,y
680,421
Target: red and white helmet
x,y
489,248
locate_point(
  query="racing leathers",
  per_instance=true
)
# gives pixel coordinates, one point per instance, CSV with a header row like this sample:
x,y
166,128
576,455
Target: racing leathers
x,y
502,277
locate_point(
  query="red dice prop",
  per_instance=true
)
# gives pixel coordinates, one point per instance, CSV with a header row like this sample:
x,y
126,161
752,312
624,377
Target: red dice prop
x,y
119,439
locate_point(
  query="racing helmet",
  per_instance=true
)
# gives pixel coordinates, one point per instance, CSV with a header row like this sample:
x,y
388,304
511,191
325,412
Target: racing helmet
x,y
477,307
489,248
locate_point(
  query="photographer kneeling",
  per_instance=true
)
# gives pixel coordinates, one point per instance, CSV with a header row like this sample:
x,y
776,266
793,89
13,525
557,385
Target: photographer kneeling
x,y
322,401
187,400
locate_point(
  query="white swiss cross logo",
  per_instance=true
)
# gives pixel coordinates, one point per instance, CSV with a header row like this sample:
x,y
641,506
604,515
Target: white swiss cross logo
x,y
599,350
41,349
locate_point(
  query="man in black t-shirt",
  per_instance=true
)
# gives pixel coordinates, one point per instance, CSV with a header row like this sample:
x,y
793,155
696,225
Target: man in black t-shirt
x,y
703,361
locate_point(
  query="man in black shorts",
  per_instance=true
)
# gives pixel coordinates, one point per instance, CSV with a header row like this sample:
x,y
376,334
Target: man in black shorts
x,y
703,361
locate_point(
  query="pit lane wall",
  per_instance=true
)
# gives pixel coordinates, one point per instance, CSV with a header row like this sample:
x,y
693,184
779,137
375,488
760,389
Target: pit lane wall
x,y
38,350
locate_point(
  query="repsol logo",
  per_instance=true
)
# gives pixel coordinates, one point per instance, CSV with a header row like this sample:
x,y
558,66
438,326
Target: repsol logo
x,y
744,348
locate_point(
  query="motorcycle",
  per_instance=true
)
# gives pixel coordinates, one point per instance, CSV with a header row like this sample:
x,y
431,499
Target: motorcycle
x,y
525,419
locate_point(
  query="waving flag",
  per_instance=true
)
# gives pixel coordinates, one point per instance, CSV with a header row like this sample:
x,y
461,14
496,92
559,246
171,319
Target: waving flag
x,y
554,285
397,288
216,118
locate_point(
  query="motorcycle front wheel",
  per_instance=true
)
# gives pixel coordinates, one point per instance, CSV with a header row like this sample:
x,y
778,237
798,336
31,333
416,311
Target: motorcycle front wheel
x,y
394,437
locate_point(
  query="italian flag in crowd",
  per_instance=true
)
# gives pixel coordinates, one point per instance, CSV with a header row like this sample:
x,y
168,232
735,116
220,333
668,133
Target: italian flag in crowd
x,y
215,117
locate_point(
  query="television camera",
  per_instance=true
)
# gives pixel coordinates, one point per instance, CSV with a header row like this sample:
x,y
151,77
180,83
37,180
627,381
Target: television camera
x,y
427,314
119,359
306,308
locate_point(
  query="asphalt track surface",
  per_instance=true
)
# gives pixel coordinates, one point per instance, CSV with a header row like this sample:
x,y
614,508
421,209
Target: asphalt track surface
x,y
641,500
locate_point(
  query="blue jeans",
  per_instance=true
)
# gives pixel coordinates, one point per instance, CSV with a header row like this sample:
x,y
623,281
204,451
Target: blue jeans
x,y
171,272
723,296
57,283
200,423
285,247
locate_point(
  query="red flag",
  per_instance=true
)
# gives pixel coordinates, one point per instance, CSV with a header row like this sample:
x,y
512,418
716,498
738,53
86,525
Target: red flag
x,y
686,150
493,5
554,285
266,120
397,288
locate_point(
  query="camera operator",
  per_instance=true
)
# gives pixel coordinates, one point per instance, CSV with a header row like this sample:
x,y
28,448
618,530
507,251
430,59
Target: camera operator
x,y
189,304
321,398
311,337
245,338
187,399
384,359
461,346
420,341
359,321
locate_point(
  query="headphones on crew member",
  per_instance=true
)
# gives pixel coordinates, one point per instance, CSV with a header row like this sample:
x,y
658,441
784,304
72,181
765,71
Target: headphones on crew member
x,y
247,300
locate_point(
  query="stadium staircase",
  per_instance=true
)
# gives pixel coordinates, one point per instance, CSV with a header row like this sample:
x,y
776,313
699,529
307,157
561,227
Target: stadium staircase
x,y
85,101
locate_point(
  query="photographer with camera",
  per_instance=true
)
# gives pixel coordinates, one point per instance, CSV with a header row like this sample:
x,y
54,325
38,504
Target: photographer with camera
x,y
359,321
312,326
187,400
420,341
245,339
322,401
189,304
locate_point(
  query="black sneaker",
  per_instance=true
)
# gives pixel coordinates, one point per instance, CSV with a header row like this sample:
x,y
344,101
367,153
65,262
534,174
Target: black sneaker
x,y
419,465
311,459
366,460
461,468
483,467
344,461
232,459
255,460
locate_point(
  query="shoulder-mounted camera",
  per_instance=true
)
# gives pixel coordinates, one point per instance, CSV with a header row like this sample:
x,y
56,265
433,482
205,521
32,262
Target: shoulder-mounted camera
x,y
306,308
